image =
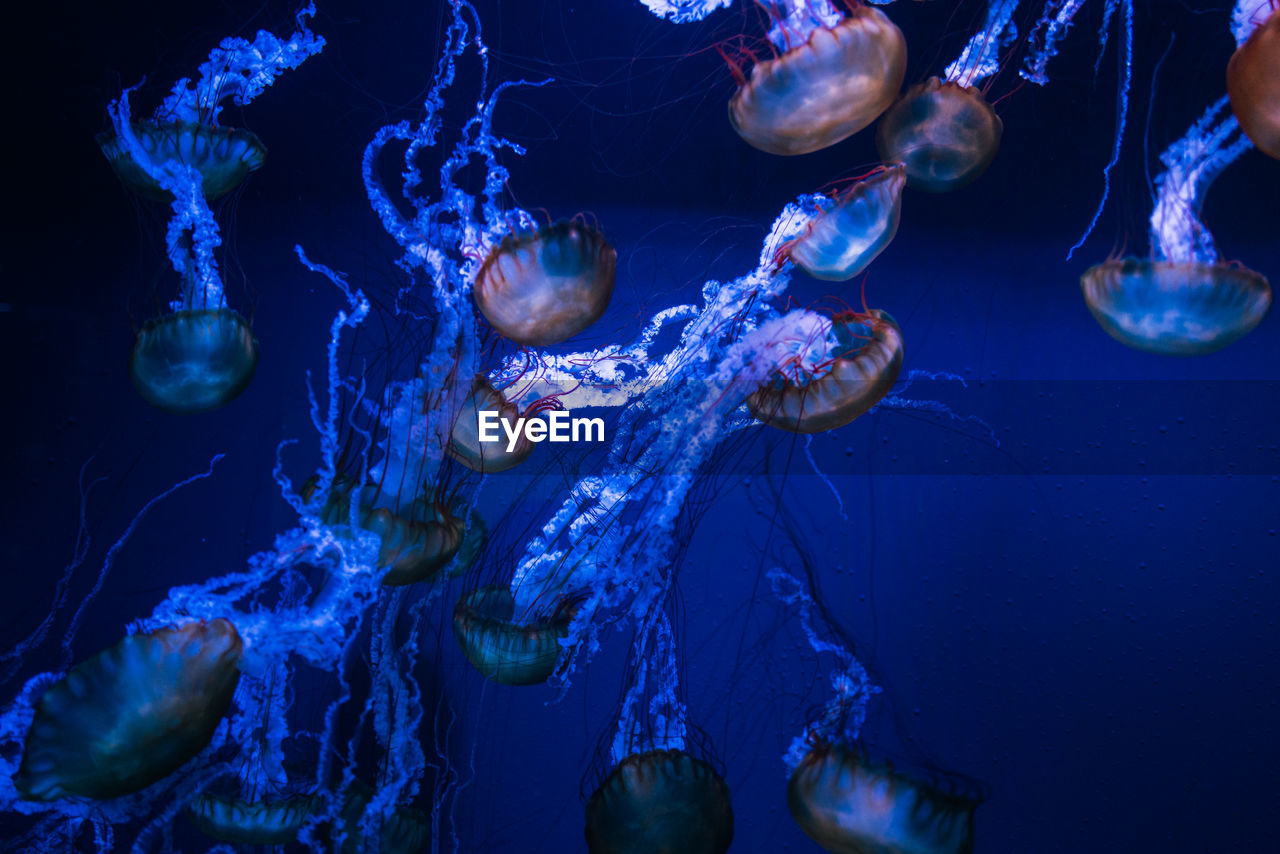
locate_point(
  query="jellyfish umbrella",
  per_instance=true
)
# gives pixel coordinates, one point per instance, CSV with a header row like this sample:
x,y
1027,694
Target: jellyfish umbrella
x,y
945,133
861,368
132,714
660,801
840,242
1253,82
193,361
824,90
851,805
223,156
1175,309
464,438
405,831
543,287
259,822
501,649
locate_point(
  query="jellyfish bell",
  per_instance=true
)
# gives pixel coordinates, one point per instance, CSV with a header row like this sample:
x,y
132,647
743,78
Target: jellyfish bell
x,y
841,241
945,133
223,156
849,804
502,649
1175,308
858,371
405,831
132,714
542,287
660,800
1253,83
413,544
269,821
824,90
193,361
464,437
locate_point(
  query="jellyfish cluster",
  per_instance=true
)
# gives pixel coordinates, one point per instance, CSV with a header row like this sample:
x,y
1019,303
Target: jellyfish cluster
x,y
186,718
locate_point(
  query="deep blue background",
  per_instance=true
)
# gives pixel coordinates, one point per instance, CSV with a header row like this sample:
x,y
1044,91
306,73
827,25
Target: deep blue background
x,y
1082,617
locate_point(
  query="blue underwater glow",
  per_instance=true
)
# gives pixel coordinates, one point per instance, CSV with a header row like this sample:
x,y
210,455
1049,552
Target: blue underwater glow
x,y
433,655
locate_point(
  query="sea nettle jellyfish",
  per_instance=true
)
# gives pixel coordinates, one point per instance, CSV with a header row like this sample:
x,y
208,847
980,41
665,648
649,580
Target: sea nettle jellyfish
x,y
1253,79
851,230
504,650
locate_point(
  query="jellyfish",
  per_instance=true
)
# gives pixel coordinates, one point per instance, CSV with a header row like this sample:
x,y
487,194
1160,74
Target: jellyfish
x,y
504,650
203,354
849,232
545,286
841,368
132,714
405,831
1253,74
849,804
257,822
465,443
1182,301
835,75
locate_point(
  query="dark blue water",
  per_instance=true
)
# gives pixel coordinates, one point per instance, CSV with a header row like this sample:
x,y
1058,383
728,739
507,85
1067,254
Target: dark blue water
x,y
1066,587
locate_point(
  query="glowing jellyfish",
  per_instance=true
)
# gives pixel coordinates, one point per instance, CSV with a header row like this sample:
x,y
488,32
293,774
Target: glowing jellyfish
x,y
262,822
851,805
660,800
1183,301
222,156
464,439
502,649
193,361
1253,81
844,374
946,135
824,89
842,240
543,287
132,714
414,544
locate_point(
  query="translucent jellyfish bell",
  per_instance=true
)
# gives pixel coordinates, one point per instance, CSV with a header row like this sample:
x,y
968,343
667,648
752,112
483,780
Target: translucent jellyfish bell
x,y
1253,82
132,714
222,156
259,822
860,371
850,805
824,90
193,361
1175,308
944,133
501,649
661,800
464,437
840,242
543,287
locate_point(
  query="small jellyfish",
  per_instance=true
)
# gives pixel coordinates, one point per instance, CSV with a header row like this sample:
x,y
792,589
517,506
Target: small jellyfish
x,y
258,822
1175,308
840,242
824,90
860,369
660,800
542,287
405,831
132,714
1253,82
223,156
501,649
464,439
851,805
414,544
945,133
193,361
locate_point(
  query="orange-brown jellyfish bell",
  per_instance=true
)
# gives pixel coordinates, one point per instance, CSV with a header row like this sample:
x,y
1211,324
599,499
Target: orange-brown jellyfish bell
x,y
542,287
464,438
823,90
1175,308
132,714
861,368
840,242
944,133
849,804
1253,82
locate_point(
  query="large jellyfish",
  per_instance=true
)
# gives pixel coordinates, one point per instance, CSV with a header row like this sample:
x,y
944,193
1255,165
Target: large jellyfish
x,y
1253,74
833,76
203,354
1182,301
